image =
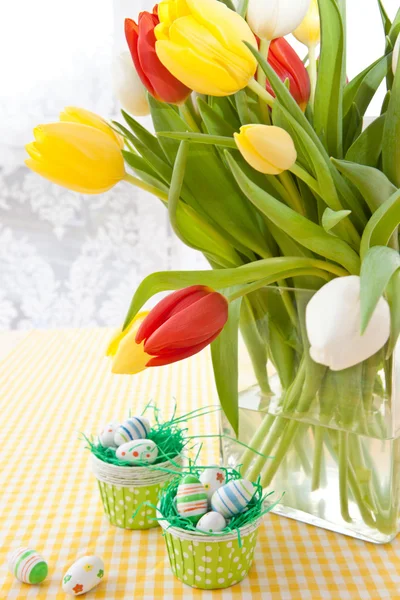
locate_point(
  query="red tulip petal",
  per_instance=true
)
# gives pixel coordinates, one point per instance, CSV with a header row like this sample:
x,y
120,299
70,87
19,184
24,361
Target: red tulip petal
x,y
165,85
287,65
168,306
169,358
132,38
190,326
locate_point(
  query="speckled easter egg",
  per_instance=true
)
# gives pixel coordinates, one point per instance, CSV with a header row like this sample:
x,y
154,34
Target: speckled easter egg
x,y
135,428
211,522
83,575
28,565
191,498
106,435
212,479
232,498
138,452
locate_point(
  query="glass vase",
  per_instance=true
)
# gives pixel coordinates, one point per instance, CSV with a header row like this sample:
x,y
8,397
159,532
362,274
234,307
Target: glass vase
x,y
332,438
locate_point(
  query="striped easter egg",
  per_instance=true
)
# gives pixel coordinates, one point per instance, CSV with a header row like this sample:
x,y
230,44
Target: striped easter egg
x,y
28,566
191,498
135,428
232,498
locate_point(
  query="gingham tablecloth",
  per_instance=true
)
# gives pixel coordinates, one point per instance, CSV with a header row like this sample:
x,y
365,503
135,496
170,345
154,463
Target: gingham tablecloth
x,y
56,384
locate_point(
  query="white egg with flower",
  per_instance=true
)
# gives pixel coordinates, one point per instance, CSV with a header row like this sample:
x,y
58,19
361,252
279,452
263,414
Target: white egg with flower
x,y
212,479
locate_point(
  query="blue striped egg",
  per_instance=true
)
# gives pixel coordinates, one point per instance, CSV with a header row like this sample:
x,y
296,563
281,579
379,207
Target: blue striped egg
x,y
138,452
135,428
232,498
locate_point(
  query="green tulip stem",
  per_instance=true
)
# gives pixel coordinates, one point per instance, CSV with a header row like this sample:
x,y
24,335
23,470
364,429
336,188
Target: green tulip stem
x,y
308,179
296,201
187,116
261,76
152,189
312,71
261,92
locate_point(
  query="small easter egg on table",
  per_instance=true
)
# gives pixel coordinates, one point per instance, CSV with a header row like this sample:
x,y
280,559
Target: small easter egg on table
x,y
138,452
83,575
211,522
232,498
212,479
106,435
28,565
191,498
135,428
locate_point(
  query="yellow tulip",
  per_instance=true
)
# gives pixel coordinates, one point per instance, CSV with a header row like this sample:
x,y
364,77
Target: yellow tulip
x,y
266,148
78,157
201,44
128,357
72,114
309,31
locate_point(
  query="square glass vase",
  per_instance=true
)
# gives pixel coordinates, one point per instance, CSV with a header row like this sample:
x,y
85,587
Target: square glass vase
x,y
332,438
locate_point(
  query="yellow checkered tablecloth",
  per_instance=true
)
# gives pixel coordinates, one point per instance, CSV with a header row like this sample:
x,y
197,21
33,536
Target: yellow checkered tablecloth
x,y
56,384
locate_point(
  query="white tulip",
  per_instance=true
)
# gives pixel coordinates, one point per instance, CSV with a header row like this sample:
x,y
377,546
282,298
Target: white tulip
x,y
128,88
270,19
395,57
333,325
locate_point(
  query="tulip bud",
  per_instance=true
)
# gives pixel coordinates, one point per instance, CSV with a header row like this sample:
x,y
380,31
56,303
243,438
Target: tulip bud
x,y
201,44
155,77
128,87
275,18
309,31
73,114
287,65
76,156
179,326
266,148
395,58
333,325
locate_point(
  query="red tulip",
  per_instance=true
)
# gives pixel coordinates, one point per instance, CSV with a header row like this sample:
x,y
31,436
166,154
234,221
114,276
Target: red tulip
x,y
287,65
154,76
182,324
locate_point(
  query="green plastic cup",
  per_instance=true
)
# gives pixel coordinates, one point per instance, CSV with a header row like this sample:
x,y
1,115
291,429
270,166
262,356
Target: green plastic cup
x,y
210,562
124,489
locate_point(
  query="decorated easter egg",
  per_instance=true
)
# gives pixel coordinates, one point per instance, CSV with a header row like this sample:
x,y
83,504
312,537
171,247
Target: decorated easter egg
x,y
232,498
27,565
212,479
83,575
211,522
138,451
135,428
106,435
191,498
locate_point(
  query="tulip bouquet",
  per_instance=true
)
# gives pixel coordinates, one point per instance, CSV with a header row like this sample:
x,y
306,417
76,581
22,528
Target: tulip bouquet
x,y
262,162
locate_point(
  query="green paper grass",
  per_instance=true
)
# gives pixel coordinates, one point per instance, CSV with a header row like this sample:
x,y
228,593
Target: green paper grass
x,y
254,510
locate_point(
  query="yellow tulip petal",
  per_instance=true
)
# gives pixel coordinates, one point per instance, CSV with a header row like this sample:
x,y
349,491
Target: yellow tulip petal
x,y
226,25
188,33
72,114
274,143
195,71
128,356
76,156
251,156
309,30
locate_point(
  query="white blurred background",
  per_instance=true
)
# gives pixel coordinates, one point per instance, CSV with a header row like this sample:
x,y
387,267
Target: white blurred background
x,y
68,260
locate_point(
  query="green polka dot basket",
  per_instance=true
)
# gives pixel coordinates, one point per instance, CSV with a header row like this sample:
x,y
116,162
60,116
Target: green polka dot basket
x,y
124,489
210,562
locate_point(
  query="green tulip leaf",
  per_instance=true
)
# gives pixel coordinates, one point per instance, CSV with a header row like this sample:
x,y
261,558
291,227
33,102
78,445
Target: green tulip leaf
x,y
393,298
303,231
386,22
331,218
248,107
391,134
242,8
381,225
224,354
395,29
373,185
367,148
362,89
148,139
328,104
222,107
142,168
352,127
379,265
272,269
